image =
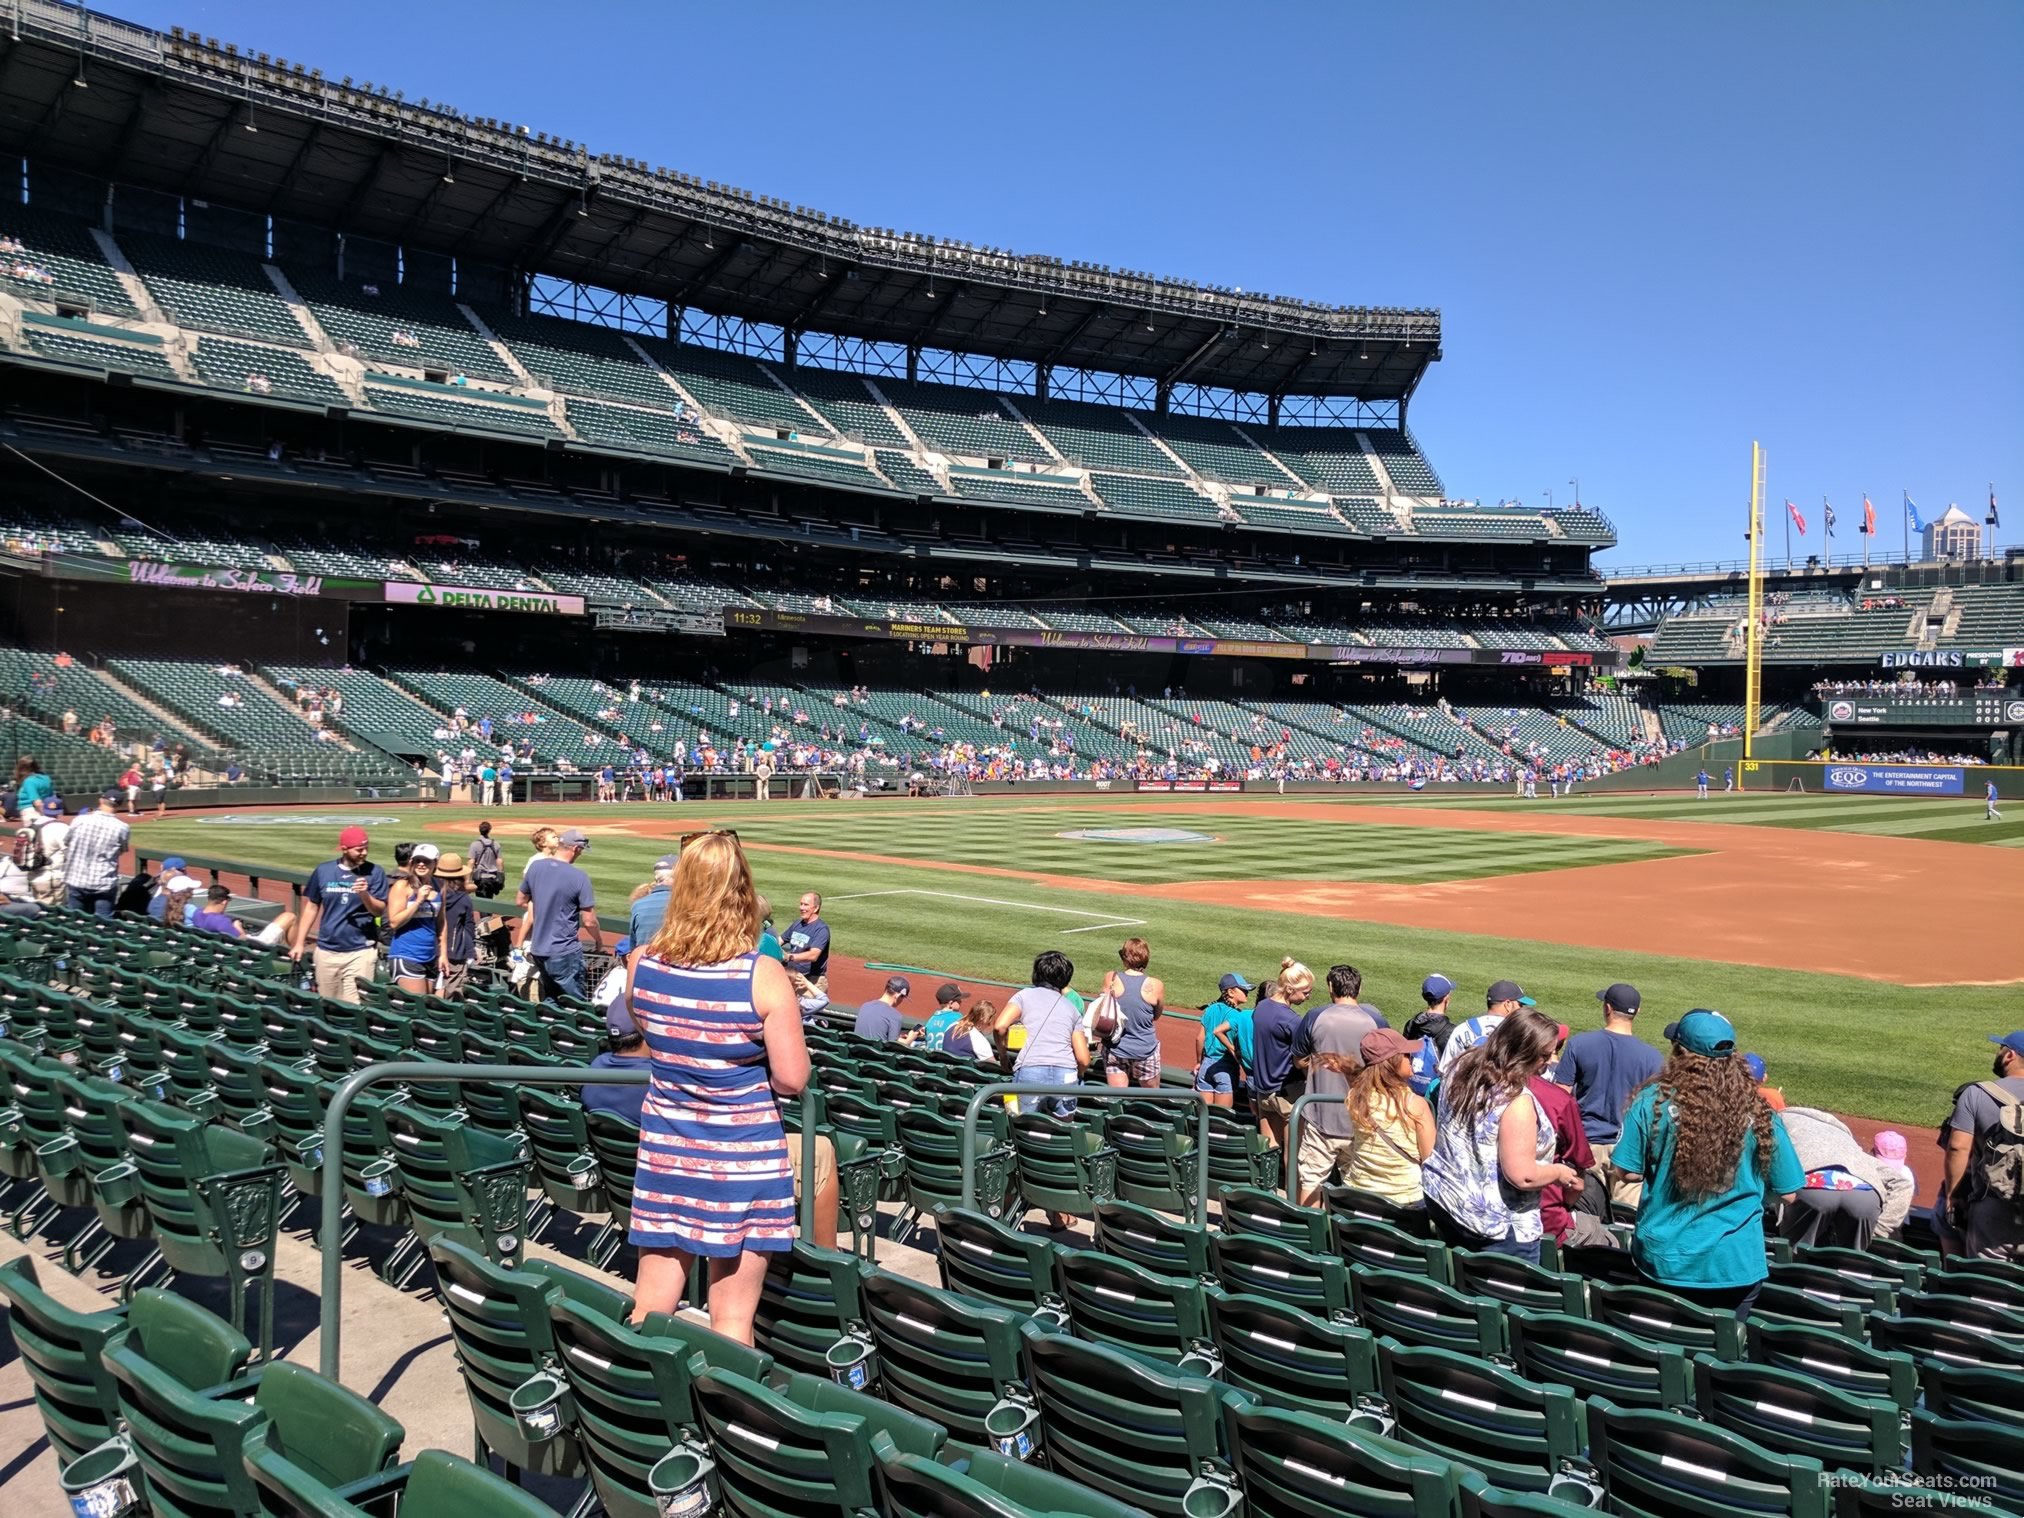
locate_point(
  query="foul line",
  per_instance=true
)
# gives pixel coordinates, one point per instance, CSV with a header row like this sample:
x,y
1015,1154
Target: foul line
x,y
993,901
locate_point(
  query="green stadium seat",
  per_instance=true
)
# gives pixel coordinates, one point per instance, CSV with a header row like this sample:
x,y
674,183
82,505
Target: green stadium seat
x,y
1252,1209
1316,1283
803,1446
1974,1393
1152,1241
1834,1359
948,1359
499,1323
1971,1457
1292,1358
1297,1464
1983,1304
188,1417
1899,1496
63,1352
982,1484
1149,1157
1932,1339
1120,1425
983,1258
1599,1360
1481,1499
1518,1282
213,1198
1867,1266
437,1483
1663,1318
1063,1164
631,1392
615,1140
1352,1203
1421,1311
1656,1464
811,1306
1112,1301
1790,1413
1516,1432
1379,1246
458,1181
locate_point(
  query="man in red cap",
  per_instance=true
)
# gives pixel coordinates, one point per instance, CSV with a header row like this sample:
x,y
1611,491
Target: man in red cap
x,y
339,903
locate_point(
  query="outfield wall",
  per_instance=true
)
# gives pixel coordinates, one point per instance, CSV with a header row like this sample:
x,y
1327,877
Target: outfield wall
x,y
1843,777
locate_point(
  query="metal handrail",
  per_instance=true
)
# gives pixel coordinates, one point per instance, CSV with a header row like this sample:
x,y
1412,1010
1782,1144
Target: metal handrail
x,y
967,1155
330,1229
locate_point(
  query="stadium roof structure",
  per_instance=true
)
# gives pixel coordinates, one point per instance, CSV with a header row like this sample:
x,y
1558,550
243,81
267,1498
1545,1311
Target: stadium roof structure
x,y
184,114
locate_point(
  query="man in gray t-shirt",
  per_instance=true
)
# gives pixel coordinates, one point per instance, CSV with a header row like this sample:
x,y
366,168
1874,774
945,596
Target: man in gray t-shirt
x,y
1988,1227
1326,1046
559,909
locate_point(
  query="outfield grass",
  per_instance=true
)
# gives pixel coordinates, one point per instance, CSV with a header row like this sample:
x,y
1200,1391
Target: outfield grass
x,y
1857,1046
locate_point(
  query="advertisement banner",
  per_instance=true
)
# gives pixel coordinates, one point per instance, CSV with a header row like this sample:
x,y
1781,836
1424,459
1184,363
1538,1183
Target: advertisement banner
x,y
1192,787
1894,779
1857,711
471,598
270,582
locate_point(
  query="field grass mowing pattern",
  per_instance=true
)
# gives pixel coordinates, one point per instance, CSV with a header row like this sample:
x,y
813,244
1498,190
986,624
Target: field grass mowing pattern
x,y
1941,820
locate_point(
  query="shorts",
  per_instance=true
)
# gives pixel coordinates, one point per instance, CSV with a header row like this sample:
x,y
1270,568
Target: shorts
x,y
1139,1072
1217,1074
1272,1104
456,978
411,969
825,1161
1322,1156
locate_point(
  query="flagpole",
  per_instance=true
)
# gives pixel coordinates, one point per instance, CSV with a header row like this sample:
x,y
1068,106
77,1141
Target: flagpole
x,y
1788,539
1905,521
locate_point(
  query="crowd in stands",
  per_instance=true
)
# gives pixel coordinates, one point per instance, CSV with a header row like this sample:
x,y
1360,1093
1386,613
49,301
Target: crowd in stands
x,y
20,268
1908,688
1898,754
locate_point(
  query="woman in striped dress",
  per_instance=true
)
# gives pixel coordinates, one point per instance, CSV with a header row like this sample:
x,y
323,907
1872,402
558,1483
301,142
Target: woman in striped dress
x,y
723,1029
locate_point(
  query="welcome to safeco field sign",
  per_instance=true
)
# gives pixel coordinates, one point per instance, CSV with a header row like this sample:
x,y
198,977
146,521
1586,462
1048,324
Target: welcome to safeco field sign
x,y
471,598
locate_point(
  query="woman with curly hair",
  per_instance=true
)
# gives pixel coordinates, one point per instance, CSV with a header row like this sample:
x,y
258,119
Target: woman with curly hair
x,y
1711,1155
1493,1149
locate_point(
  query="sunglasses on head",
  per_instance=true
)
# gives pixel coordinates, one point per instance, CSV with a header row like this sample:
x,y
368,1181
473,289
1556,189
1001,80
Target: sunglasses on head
x,y
685,839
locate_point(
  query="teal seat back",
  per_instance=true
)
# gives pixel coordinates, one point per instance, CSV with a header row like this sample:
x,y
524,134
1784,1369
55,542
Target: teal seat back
x,y
1152,1240
1120,1425
1985,1460
1793,1413
941,1356
1112,1301
983,1484
1379,1246
983,1258
63,1352
1519,1283
633,1392
1599,1360
809,1302
1657,1464
1418,1310
1515,1431
1666,1319
1291,1358
1054,1156
1294,1465
1829,1356
1253,1209
802,1447
1267,1267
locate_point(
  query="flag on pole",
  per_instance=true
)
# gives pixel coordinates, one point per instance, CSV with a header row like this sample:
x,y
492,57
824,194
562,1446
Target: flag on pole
x,y
1912,511
1797,520
1994,520
1827,515
1868,518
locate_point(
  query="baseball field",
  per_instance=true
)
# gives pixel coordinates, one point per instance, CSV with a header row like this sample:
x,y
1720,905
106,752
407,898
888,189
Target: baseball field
x,y
1866,947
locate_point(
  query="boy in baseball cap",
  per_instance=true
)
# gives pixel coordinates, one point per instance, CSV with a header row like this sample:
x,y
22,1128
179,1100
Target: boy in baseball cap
x,y
948,1012
1502,999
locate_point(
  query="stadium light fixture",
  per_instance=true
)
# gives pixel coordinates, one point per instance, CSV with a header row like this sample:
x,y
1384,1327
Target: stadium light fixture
x,y
251,125
78,80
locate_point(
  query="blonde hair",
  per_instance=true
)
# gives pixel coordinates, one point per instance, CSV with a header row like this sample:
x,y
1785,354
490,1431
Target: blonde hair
x,y
1296,981
713,909
545,840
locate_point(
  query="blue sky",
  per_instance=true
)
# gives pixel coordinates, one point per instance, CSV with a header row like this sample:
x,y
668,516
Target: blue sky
x,y
1655,232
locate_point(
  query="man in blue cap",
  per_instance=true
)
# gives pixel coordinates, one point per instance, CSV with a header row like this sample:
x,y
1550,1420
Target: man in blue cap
x,y
1602,1067
1432,1027
1982,1212
1502,999
627,1050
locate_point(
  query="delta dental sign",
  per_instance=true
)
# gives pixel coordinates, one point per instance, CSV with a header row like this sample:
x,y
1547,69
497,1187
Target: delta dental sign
x,y
472,598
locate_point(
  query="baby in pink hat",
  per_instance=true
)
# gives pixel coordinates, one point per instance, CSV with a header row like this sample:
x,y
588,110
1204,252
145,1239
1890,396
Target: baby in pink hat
x,y
1889,1148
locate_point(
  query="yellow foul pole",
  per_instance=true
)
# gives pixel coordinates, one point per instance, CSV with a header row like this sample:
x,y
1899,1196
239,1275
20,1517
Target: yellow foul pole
x,y
1753,644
